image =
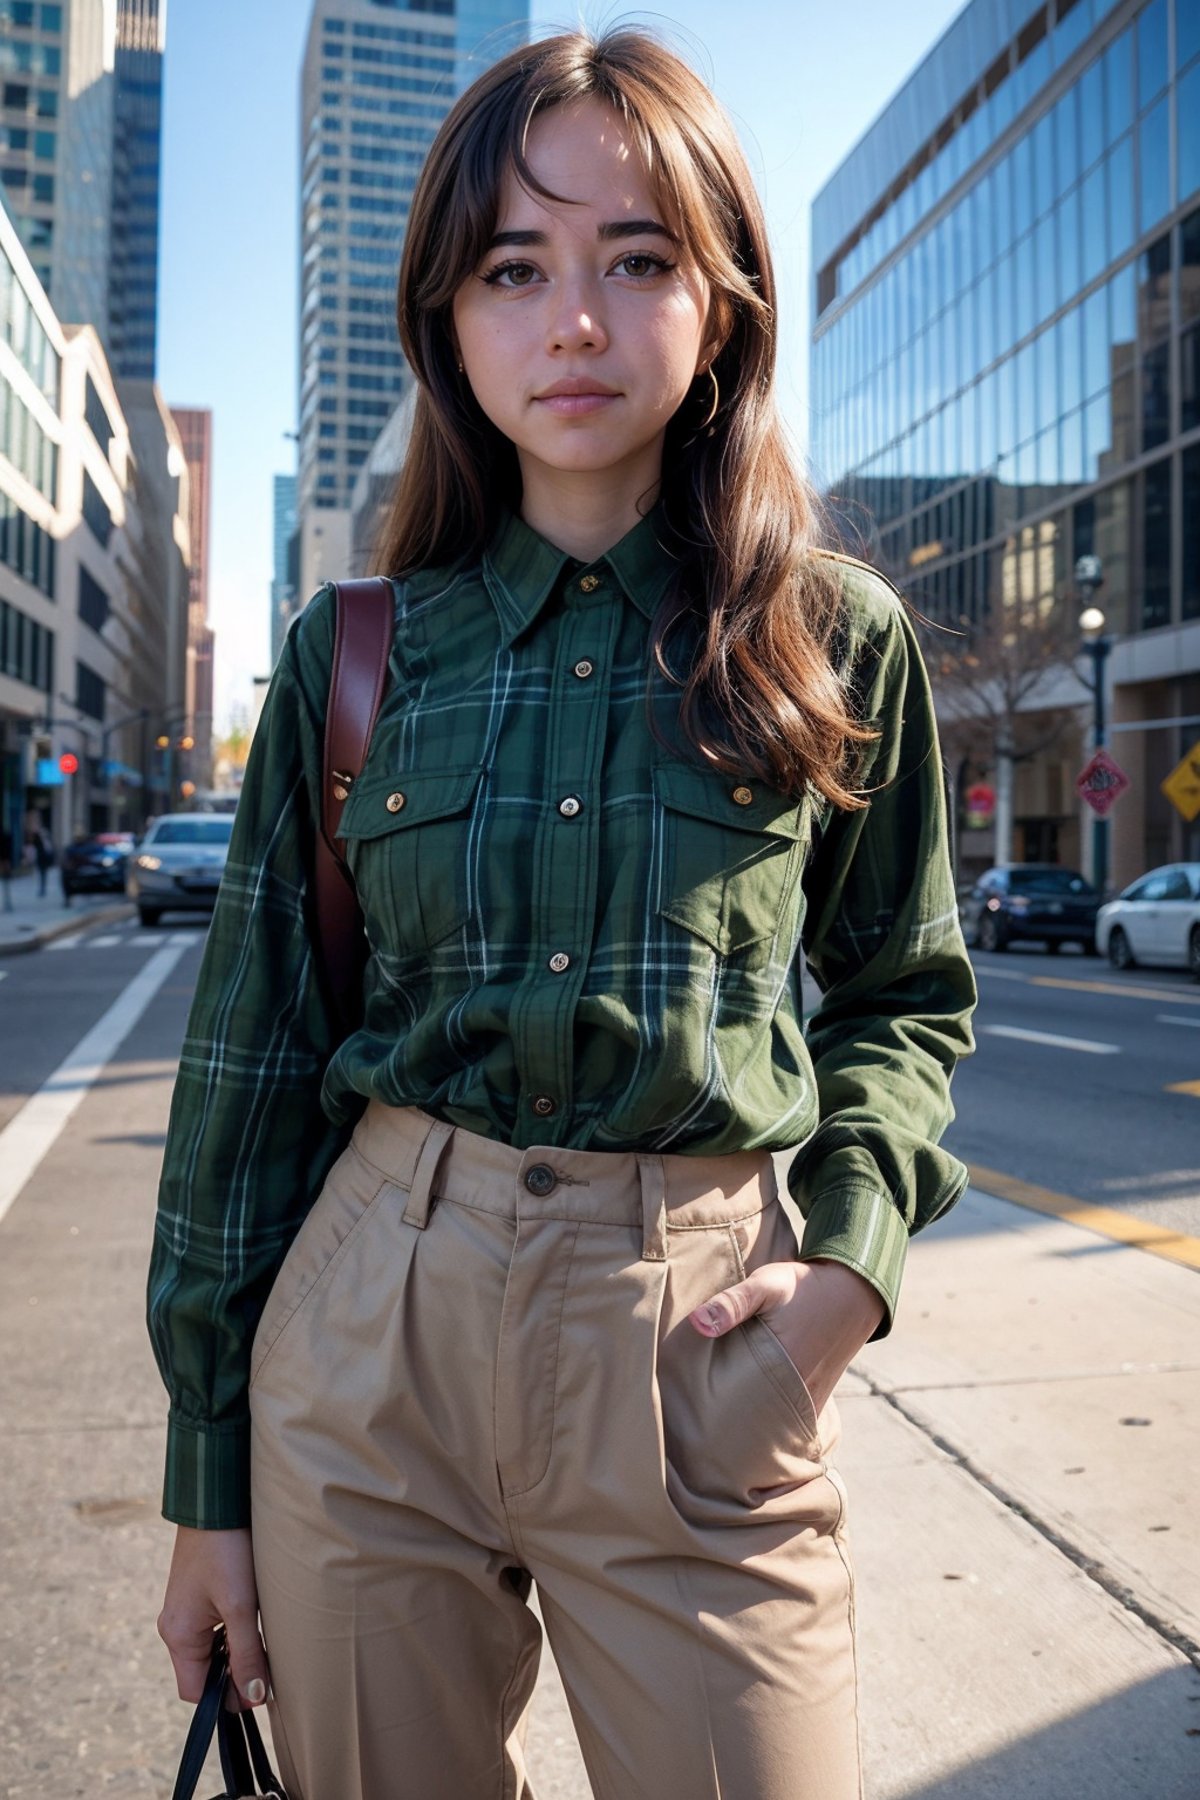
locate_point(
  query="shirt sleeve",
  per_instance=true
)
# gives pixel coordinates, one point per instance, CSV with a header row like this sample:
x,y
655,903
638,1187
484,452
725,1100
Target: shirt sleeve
x,y
247,1144
882,938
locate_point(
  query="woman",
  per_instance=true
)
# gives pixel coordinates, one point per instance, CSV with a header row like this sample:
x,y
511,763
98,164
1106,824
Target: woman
x,y
644,751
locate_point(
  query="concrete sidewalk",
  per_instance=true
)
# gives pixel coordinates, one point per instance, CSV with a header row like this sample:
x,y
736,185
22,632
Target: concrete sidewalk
x,y
1021,1459
29,920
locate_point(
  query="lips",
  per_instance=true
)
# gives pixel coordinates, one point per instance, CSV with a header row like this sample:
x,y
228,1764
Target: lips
x,y
574,386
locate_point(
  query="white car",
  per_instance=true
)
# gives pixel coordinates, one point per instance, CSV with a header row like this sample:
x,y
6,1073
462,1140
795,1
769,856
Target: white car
x,y
1155,920
177,866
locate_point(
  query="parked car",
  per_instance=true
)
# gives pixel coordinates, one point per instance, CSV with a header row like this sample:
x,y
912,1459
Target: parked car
x,y
96,864
1155,920
178,864
1040,901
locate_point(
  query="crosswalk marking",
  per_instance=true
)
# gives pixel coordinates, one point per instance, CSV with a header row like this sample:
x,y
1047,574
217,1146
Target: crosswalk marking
x,y
130,940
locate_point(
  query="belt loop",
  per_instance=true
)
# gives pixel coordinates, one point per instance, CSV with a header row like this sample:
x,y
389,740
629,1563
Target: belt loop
x,y
654,1208
430,1155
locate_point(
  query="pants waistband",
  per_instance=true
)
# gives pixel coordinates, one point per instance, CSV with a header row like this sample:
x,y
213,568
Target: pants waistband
x,y
433,1160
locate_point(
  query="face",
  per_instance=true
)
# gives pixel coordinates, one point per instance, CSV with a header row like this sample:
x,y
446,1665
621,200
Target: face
x,y
584,326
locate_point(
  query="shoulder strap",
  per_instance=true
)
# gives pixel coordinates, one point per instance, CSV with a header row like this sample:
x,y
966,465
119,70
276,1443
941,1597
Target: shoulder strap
x,y
361,648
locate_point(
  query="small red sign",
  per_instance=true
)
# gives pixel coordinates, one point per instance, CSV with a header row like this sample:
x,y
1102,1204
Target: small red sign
x,y
1102,782
981,804
68,762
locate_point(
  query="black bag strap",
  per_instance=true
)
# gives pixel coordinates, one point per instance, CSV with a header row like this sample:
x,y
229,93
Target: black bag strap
x,y
244,1759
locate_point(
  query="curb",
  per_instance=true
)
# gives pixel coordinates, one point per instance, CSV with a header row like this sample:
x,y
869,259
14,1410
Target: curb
x,y
102,915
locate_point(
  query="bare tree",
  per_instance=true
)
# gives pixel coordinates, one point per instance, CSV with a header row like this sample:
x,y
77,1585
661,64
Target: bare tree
x,y
998,684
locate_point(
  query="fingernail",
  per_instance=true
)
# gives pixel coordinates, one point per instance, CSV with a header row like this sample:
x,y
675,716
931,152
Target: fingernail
x,y
711,1317
256,1691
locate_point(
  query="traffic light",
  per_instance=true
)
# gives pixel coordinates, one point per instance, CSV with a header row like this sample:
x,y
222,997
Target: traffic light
x,y
68,763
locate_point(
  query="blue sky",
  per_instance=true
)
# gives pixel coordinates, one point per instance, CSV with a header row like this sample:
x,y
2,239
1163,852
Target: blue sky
x,y
802,81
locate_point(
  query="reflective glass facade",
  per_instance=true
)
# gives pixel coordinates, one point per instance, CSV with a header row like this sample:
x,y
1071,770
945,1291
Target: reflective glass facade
x,y
137,156
1006,354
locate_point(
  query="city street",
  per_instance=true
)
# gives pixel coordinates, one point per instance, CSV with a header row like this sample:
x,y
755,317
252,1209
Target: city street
x,y
1020,1454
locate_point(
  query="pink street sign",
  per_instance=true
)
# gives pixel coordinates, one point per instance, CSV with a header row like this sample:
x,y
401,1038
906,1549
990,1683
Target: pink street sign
x,y
1101,782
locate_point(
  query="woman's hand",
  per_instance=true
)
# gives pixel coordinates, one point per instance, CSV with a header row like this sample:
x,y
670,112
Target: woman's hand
x,y
212,1583
822,1312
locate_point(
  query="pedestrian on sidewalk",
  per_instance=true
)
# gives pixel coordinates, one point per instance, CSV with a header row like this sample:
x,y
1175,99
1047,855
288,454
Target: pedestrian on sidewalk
x,y
43,850
499,1288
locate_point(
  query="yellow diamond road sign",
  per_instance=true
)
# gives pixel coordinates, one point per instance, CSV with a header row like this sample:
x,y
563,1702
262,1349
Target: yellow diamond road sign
x,y
1182,786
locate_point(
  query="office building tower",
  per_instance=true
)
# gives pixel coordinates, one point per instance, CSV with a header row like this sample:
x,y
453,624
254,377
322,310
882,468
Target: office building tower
x,y
137,155
1006,369
378,78
194,425
283,587
56,140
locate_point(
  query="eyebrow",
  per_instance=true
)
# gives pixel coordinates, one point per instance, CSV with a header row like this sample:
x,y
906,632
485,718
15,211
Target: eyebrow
x,y
616,228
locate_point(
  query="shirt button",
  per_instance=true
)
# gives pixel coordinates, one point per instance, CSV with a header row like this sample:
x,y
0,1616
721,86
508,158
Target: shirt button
x,y
394,802
589,583
543,1105
560,961
570,806
541,1179
743,796
583,668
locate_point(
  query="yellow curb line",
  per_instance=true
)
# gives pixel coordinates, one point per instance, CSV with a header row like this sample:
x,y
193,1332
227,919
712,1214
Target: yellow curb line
x,y
1111,987
1184,1087
1139,1234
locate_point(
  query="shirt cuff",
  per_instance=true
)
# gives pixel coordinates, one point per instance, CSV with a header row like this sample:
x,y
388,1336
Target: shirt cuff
x,y
207,1481
858,1224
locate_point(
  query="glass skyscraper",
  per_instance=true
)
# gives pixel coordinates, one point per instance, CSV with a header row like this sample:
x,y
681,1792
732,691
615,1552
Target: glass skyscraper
x,y
379,76
137,156
1006,359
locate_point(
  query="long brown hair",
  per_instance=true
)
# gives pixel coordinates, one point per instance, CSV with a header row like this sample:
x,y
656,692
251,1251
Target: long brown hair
x,y
740,520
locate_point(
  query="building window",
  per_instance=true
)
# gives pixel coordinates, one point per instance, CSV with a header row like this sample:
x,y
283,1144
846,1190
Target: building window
x,y
1191,532
93,601
1156,545
95,511
97,418
89,691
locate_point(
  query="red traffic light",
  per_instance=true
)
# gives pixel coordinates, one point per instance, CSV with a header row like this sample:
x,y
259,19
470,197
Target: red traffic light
x,y
68,762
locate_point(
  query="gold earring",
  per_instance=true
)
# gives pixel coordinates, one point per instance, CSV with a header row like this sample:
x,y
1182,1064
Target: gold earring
x,y
711,373
460,366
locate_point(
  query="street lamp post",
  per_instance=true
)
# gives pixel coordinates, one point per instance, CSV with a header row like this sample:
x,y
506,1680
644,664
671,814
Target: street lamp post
x,y
1089,576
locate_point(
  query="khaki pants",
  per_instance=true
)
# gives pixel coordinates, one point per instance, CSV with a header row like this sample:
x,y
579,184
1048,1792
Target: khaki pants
x,y
475,1370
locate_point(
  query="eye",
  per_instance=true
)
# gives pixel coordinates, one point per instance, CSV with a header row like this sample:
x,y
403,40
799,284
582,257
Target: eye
x,y
651,264
492,278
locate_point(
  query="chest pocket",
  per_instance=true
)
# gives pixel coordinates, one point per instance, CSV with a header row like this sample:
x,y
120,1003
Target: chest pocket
x,y
408,844
733,852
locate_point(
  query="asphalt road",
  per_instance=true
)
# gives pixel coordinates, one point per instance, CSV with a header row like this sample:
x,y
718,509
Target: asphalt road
x,y
1075,1084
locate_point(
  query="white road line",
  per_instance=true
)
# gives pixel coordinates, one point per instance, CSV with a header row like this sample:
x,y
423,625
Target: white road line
x,y
1048,1037
62,943
186,938
26,1138
102,943
1170,1019
150,941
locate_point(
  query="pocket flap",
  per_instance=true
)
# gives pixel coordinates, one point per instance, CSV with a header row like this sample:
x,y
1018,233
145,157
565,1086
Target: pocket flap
x,y
709,794
381,803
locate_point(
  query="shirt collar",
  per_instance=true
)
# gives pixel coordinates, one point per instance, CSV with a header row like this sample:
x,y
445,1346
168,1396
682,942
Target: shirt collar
x,y
521,568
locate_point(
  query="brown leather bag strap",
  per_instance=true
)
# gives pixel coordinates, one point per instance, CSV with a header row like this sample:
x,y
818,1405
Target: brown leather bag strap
x,y
361,648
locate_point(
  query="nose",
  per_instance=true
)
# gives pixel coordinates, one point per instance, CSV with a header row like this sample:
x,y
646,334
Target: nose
x,y
576,323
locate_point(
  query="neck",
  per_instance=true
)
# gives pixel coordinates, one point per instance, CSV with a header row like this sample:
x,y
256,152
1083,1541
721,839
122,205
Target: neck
x,y
586,513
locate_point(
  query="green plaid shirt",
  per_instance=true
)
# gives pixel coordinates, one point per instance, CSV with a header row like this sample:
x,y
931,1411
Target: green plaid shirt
x,y
576,939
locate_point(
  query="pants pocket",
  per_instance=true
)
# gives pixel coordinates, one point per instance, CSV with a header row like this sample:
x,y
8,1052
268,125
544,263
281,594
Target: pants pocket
x,y
349,1192
740,1431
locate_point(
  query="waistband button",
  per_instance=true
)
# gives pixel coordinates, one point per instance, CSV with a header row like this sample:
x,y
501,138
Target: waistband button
x,y
541,1179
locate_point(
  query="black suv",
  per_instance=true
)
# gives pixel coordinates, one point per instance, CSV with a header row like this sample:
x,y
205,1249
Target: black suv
x,y
1031,900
